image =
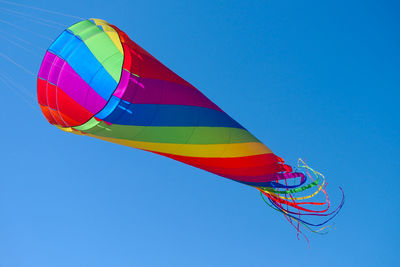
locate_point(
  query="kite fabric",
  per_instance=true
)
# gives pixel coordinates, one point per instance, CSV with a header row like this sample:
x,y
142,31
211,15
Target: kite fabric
x,y
95,81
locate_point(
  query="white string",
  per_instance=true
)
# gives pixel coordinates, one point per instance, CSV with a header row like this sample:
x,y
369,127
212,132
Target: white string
x,y
25,29
33,17
16,64
17,44
23,40
40,9
31,105
22,43
19,86
36,20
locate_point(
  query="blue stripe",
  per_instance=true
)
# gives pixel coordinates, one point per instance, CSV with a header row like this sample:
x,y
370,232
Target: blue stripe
x,y
125,113
111,105
273,184
73,50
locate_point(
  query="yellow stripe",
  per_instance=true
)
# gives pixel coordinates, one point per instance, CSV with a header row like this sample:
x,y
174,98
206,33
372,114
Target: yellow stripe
x,y
192,150
295,198
65,129
68,130
112,34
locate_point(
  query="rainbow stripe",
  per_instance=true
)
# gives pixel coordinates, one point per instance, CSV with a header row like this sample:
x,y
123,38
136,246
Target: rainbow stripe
x,y
94,80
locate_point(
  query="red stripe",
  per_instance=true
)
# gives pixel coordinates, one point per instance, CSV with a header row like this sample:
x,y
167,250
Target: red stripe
x,y
48,116
72,109
51,94
62,107
262,178
141,63
41,92
245,169
238,162
56,116
252,171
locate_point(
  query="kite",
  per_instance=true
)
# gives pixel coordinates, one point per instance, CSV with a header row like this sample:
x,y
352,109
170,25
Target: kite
x,y
95,81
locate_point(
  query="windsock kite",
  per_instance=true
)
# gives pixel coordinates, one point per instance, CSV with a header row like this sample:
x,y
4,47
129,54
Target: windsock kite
x,y
95,81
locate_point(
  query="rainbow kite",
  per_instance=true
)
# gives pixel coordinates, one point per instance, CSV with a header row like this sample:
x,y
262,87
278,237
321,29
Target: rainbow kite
x,y
95,81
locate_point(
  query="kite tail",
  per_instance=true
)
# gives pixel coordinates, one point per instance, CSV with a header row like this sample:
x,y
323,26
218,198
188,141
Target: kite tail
x,y
291,199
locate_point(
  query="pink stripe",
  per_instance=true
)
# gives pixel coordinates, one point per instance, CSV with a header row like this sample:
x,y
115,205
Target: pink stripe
x,y
267,177
55,71
139,90
58,72
123,84
46,65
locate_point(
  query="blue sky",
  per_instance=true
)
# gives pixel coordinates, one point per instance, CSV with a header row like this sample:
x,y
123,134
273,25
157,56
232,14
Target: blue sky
x,y
310,79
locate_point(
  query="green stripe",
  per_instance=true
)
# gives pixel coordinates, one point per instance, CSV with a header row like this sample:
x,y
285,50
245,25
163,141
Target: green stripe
x,y
87,125
174,135
101,46
291,191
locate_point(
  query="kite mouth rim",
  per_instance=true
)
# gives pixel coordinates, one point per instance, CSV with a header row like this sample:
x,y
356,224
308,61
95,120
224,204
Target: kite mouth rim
x,y
52,112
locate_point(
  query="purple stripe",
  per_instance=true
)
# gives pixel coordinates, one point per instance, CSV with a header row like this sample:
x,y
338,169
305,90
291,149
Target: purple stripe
x,y
265,178
139,90
46,65
61,74
123,84
55,71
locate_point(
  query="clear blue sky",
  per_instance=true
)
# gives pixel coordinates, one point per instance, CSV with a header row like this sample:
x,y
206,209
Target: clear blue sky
x,y
313,80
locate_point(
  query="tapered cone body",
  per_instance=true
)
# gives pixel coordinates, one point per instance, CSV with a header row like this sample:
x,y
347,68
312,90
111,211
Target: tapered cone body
x,y
95,80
